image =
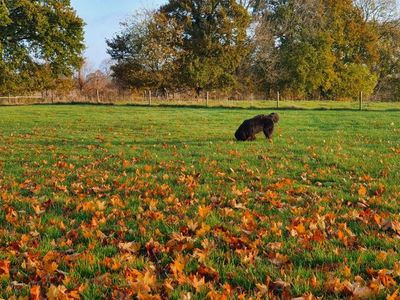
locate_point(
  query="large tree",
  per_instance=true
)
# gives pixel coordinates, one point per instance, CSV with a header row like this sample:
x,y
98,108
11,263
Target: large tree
x,y
320,46
214,40
41,42
146,52
384,17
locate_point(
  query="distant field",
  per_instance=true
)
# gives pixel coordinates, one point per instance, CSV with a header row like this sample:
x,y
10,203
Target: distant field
x,y
125,201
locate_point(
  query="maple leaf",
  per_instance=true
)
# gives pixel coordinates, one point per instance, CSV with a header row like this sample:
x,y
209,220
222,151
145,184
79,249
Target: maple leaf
x,y
362,191
313,281
208,272
4,268
279,259
305,297
197,283
204,211
386,279
346,271
141,283
270,195
298,230
213,295
394,225
34,293
274,246
363,292
382,256
201,255
263,289
130,247
178,266
203,230
396,269
394,295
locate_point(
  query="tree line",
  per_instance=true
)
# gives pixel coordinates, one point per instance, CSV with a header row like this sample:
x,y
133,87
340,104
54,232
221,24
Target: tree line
x,y
317,49
325,49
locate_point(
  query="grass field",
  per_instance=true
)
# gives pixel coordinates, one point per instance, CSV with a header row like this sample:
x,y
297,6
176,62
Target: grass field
x,y
123,201
272,104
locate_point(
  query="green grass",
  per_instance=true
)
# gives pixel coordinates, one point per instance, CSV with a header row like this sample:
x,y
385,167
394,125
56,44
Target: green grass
x,y
79,183
272,104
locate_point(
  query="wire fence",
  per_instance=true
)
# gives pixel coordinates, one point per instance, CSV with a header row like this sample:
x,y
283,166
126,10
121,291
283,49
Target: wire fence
x,y
279,103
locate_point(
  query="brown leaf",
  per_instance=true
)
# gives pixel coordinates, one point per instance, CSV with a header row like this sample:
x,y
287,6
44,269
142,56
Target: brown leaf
x,y
363,292
130,247
279,259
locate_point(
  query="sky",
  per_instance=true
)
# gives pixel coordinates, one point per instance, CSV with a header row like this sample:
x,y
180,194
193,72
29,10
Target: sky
x,y
102,18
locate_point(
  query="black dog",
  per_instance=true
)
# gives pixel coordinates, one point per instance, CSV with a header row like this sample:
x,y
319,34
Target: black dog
x,y
249,128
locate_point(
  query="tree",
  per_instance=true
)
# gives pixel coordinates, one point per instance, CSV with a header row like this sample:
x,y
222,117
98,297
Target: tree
x,y
146,52
96,82
41,41
214,40
388,69
316,42
384,16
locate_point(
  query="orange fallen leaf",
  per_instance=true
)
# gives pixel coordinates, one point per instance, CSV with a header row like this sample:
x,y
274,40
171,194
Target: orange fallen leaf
x,y
4,268
362,191
394,295
204,211
34,293
313,281
346,272
178,265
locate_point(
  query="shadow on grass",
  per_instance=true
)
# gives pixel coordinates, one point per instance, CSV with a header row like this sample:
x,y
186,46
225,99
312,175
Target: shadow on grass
x,y
128,142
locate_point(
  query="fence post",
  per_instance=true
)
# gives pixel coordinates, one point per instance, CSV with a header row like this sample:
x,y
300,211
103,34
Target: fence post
x,y
97,96
278,99
150,98
361,101
207,98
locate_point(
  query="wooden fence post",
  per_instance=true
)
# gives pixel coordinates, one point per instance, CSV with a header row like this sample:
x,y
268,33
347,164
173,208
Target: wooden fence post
x,y
150,98
278,99
361,101
207,99
97,96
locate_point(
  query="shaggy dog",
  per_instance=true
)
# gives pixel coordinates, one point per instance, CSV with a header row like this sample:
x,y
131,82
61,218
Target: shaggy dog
x,y
249,128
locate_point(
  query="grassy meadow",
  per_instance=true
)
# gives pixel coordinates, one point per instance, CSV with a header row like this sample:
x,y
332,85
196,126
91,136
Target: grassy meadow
x,y
161,202
270,104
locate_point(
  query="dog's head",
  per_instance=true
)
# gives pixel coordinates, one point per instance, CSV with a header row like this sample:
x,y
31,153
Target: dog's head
x,y
274,117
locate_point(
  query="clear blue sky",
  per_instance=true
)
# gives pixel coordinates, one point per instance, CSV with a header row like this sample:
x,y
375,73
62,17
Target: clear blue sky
x,y
102,19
